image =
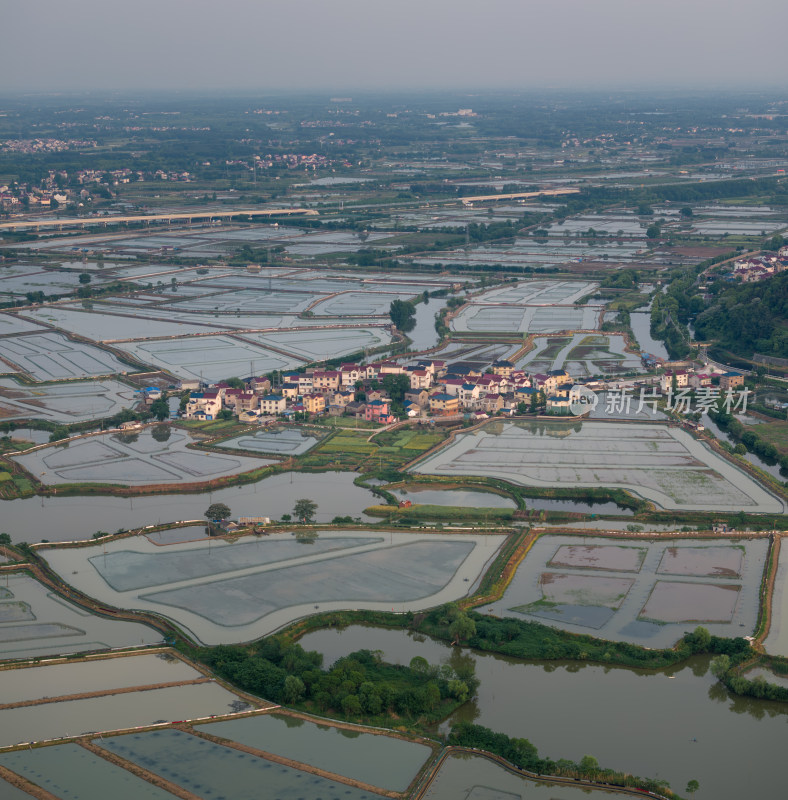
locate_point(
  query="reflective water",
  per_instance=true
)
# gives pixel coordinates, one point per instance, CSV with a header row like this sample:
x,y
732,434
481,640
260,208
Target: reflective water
x,y
59,519
377,760
676,724
640,322
209,770
73,773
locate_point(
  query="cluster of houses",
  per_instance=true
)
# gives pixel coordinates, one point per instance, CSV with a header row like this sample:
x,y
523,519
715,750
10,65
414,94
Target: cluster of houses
x,y
759,268
432,388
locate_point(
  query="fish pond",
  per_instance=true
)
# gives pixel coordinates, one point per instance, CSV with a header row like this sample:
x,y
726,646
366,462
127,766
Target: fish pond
x,y
648,592
676,724
660,463
222,591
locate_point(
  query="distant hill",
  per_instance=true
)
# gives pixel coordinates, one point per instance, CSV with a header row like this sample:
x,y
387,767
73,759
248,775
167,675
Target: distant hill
x,y
749,318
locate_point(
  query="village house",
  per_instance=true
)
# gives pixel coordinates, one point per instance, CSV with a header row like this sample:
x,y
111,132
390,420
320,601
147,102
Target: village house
x,y
731,380
273,404
203,405
314,403
699,380
325,381
681,376
503,367
442,404
420,397
379,411
420,379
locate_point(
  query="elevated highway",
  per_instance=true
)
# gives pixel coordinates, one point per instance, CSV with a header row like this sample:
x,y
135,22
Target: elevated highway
x,y
183,216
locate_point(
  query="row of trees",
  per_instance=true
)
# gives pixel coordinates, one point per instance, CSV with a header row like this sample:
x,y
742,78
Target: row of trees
x,y
304,511
360,685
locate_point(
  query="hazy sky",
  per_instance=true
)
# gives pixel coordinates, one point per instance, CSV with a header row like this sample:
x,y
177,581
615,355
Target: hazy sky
x,y
410,44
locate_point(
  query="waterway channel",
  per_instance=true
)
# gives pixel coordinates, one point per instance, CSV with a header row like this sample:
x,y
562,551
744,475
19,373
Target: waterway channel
x,y
61,519
676,724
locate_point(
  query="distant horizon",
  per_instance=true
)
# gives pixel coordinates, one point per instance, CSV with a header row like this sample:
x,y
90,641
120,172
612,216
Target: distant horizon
x,y
362,46
349,94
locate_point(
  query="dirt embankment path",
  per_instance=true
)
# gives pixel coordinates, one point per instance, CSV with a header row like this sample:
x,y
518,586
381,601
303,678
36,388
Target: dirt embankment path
x,y
25,785
41,701
768,591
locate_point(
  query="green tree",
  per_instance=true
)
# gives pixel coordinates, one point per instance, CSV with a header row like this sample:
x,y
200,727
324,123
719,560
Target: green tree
x,y
293,690
402,314
226,414
304,510
85,278
692,786
459,690
160,408
217,511
396,386
589,765
719,666
5,538
462,628
58,433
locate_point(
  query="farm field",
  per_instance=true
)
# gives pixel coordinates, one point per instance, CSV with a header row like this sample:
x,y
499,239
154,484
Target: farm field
x,y
581,355
193,697
135,458
284,442
377,760
351,448
36,622
662,464
51,356
222,592
202,766
635,590
64,402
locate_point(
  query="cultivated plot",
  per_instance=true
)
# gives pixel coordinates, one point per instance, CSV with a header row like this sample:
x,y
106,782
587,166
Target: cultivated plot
x,y
319,344
539,293
581,355
382,761
285,442
662,464
64,402
211,358
73,772
620,592
171,694
485,318
358,303
222,592
205,769
51,356
777,640
12,324
134,458
36,622
102,327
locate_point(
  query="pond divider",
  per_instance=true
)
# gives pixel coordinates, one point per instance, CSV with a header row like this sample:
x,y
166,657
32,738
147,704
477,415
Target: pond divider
x,y
25,785
140,772
287,762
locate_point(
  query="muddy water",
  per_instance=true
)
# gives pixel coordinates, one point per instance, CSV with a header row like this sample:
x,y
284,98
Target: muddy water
x,y
61,519
675,724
